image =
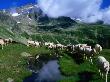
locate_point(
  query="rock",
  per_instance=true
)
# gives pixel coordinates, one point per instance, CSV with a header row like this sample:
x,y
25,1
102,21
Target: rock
x,y
10,80
25,54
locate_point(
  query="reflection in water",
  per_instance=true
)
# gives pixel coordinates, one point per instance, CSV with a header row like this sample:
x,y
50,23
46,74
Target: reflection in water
x,y
48,73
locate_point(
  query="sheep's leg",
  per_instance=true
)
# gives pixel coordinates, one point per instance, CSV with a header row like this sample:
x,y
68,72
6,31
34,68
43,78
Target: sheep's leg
x,y
2,47
99,72
91,60
28,45
102,75
5,44
86,57
106,77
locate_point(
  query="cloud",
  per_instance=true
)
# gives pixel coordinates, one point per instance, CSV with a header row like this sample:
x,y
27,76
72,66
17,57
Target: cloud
x,y
106,15
87,10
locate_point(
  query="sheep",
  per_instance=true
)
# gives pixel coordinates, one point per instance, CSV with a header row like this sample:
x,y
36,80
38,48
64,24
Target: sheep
x,y
98,48
59,46
37,44
81,49
30,43
103,66
6,41
83,45
52,46
76,47
2,43
10,40
89,53
88,47
46,43
69,47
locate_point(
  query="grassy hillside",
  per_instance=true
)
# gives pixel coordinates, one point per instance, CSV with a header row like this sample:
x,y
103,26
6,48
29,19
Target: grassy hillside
x,y
62,29
4,33
81,33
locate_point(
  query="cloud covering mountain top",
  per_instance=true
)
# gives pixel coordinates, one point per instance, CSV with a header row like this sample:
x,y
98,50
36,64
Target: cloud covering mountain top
x,y
88,11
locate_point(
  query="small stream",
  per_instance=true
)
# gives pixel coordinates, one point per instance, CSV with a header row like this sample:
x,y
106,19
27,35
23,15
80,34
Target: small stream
x,y
48,73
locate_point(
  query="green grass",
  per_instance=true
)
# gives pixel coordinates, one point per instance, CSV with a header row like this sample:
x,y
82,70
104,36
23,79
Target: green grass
x,y
71,70
13,64
66,62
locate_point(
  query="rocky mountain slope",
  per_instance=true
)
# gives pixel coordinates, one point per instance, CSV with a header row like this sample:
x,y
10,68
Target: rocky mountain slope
x,y
30,22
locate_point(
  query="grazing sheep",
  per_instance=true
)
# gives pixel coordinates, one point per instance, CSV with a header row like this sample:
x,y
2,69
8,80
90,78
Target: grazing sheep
x,y
7,41
46,43
10,40
81,50
31,43
83,45
76,47
103,66
37,44
49,45
89,53
52,46
69,47
2,42
88,47
98,48
59,46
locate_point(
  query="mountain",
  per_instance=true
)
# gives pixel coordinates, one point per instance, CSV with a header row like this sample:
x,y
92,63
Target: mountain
x,y
29,22
31,19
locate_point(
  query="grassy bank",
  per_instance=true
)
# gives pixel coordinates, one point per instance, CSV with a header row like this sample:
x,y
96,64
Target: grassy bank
x,y
83,72
13,64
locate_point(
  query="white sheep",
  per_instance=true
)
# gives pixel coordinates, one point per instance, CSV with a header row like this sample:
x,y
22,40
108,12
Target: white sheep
x,y
46,43
37,44
59,46
2,42
98,48
83,45
6,41
103,66
69,47
76,47
30,43
89,53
